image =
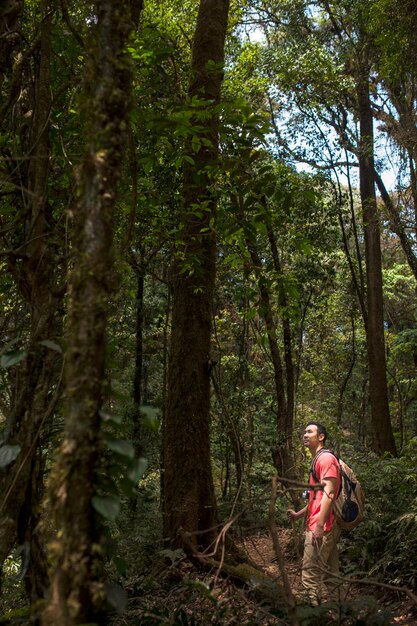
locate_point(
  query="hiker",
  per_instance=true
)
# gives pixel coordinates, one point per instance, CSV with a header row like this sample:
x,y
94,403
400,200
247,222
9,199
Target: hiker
x,y
321,558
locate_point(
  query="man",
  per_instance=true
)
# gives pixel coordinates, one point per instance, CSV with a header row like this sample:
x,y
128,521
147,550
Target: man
x,y
321,558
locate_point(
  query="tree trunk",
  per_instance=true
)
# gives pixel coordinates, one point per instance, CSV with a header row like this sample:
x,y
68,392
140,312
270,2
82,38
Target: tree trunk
x,y
77,580
34,275
31,538
189,501
397,226
137,375
381,424
137,379
282,454
289,363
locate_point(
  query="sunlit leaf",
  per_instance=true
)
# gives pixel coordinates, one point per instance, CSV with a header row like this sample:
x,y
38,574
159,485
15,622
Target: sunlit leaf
x,y
52,345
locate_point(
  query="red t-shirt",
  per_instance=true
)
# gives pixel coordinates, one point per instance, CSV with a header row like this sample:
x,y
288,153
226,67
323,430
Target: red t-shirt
x,y
326,466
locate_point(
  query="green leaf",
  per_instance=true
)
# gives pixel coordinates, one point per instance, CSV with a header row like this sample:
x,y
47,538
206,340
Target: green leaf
x,y
126,487
137,469
8,454
150,415
175,556
109,417
10,344
116,597
12,358
122,447
120,564
107,506
51,344
189,159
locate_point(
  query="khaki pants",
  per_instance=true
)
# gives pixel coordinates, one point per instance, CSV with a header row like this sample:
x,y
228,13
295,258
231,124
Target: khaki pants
x,y
319,566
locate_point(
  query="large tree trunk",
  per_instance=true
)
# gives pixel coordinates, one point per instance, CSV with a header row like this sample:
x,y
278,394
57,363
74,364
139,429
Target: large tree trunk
x,y
77,580
381,424
35,277
189,500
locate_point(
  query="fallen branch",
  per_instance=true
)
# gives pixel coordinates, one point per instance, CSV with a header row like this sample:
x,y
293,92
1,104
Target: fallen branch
x,y
299,484
369,582
375,583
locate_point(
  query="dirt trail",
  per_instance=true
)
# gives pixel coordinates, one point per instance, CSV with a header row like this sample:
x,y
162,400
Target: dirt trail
x,y
260,550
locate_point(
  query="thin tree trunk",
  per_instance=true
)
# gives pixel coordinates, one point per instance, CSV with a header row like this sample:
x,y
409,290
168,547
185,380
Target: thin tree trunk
x,y
266,313
137,379
397,226
288,359
77,580
137,375
282,454
339,409
189,500
232,433
381,424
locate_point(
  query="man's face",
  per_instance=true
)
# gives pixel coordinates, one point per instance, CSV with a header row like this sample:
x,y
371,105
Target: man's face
x,y
311,438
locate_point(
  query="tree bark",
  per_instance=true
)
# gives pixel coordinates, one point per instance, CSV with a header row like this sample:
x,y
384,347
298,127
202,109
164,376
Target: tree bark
x,y
397,226
381,424
77,580
289,363
138,370
35,277
282,454
137,379
189,501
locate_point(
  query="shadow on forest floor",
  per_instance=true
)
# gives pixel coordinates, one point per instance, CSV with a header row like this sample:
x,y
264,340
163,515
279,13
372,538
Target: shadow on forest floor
x,y
173,592
179,595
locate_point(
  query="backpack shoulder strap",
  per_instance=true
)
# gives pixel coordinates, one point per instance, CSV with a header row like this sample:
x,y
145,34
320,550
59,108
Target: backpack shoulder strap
x,y
313,463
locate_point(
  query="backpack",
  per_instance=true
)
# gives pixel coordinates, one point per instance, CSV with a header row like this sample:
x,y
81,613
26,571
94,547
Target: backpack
x,y
349,504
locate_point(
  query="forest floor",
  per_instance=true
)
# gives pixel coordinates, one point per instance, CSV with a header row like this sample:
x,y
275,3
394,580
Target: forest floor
x,y
180,595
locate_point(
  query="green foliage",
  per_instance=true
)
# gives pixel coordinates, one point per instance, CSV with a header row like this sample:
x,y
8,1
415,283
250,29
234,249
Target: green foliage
x,y
398,563
362,611
123,469
116,597
8,454
13,608
280,97
107,506
14,357
392,26
385,545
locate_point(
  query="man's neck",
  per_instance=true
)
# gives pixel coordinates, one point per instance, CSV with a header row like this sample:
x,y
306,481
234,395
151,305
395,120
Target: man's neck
x,y
314,451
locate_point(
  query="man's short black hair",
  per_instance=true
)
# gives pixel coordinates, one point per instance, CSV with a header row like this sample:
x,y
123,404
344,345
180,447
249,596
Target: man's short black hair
x,y
321,430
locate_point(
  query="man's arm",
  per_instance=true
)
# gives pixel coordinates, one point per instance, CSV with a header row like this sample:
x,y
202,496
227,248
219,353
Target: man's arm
x,y
294,515
325,508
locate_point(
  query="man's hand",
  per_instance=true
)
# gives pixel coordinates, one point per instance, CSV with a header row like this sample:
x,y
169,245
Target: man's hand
x,y
317,537
294,515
